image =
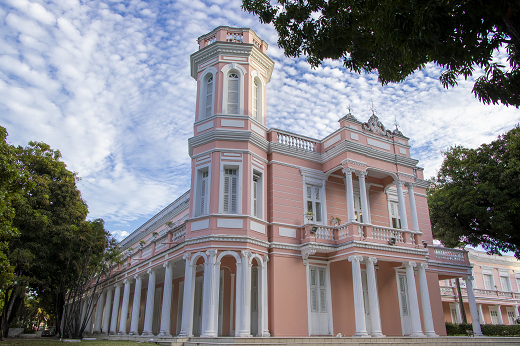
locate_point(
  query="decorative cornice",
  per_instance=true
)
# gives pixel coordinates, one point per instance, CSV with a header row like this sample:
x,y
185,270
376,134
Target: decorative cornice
x,y
227,135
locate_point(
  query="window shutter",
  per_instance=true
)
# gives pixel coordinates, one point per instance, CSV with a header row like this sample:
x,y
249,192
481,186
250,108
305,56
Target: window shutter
x,y
202,196
233,94
255,100
209,97
226,194
234,195
255,198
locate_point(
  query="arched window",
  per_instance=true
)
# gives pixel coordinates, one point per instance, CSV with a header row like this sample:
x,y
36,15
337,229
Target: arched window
x,y
209,98
233,101
256,99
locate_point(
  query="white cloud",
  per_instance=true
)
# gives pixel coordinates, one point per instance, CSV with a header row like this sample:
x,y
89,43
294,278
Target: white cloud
x,y
108,84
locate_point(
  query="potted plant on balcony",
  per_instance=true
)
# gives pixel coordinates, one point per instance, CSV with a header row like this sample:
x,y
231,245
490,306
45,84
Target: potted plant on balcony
x,y
335,221
309,215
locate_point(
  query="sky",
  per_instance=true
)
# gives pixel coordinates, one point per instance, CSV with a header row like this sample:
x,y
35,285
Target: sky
x,y
108,84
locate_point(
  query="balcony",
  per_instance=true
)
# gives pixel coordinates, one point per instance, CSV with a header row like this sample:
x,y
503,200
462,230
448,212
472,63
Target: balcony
x,y
336,235
480,293
447,255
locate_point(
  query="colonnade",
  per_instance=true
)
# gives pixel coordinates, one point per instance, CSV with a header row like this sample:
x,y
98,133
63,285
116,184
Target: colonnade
x,y
110,298
364,201
373,299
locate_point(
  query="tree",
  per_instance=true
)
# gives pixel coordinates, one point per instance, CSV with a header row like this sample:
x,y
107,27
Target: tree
x,y
475,199
397,38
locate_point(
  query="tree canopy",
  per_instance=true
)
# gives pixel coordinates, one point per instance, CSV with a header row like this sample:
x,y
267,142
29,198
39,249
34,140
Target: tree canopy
x,y
397,38
475,199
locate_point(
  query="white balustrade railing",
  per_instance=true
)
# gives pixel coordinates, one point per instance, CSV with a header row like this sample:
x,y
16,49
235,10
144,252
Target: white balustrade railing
x,y
235,37
211,40
484,292
180,233
449,254
446,290
505,294
296,142
342,232
385,233
325,232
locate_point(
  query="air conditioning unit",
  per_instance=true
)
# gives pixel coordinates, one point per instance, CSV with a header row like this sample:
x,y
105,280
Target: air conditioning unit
x,y
391,241
314,229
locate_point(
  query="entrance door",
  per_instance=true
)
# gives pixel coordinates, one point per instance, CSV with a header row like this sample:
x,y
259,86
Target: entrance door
x,y
365,300
318,290
511,316
254,301
493,312
404,304
197,307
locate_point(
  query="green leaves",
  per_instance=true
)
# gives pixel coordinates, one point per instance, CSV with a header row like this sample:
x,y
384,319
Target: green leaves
x,y
475,198
396,38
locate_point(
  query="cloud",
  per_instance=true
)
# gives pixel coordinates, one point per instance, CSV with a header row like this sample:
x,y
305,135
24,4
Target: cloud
x,y
108,84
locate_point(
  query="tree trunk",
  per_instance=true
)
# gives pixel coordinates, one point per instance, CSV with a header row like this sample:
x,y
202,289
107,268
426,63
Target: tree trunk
x,y
461,302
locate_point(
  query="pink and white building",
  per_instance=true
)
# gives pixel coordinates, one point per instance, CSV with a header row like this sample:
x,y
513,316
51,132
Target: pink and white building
x,y
281,234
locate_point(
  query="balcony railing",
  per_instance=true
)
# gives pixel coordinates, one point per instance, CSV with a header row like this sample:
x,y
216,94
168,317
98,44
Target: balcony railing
x,y
443,254
354,230
479,292
295,141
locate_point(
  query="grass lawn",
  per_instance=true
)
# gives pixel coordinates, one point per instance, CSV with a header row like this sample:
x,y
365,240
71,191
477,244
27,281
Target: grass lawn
x,y
57,342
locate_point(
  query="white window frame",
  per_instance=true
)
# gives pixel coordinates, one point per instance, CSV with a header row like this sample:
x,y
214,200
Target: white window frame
x,y
260,193
488,271
241,72
205,75
505,274
391,197
260,97
321,201
517,279
238,167
197,190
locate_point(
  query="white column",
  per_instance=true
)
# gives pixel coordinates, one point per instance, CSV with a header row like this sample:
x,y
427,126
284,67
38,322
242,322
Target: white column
x,y
167,301
363,194
429,329
516,311
243,321
187,301
216,294
89,326
265,304
500,320
106,315
231,304
480,314
359,308
350,194
402,207
150,295
373,299
83,310
99,312
475,321
124,307
208,301
412,297
62,323
411,196
115,309
136,305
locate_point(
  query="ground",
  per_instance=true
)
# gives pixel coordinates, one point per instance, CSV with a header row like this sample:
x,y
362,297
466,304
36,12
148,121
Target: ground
x,y
57,342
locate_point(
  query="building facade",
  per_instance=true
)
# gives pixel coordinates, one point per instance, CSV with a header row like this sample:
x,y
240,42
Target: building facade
x,y
496,286
281,234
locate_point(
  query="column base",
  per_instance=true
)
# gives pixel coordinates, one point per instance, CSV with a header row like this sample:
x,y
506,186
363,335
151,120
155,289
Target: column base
x,y
265,334
146,333
207,334
378,335
182,335
432,334
417,335
243,335
133,333
361,335
164,334
121,333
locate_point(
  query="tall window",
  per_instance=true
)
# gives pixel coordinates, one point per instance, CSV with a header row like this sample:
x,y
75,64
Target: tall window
x,y
255,192
314,203
230,191
255,100
209,97
394,215
488,281
201,205
358,214
505,284
233,97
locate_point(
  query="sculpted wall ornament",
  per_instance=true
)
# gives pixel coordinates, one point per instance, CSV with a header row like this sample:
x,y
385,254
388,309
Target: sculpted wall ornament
x,y
306,252
374,125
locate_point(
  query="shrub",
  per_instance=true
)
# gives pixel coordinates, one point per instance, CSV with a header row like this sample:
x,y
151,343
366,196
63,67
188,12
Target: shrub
x,y
487,329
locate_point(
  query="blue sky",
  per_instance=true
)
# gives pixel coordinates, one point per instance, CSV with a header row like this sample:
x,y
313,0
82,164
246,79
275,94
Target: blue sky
x,y
108,84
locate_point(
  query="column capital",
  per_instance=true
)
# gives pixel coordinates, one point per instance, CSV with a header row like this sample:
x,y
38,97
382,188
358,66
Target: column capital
x,y
361,174
186,256
409,264
423,266
151,270
128,281
266,258
348,171
356,258
410,184
138,276
469,278
372,260
118,284
169,264
211,252
399,182
246,253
